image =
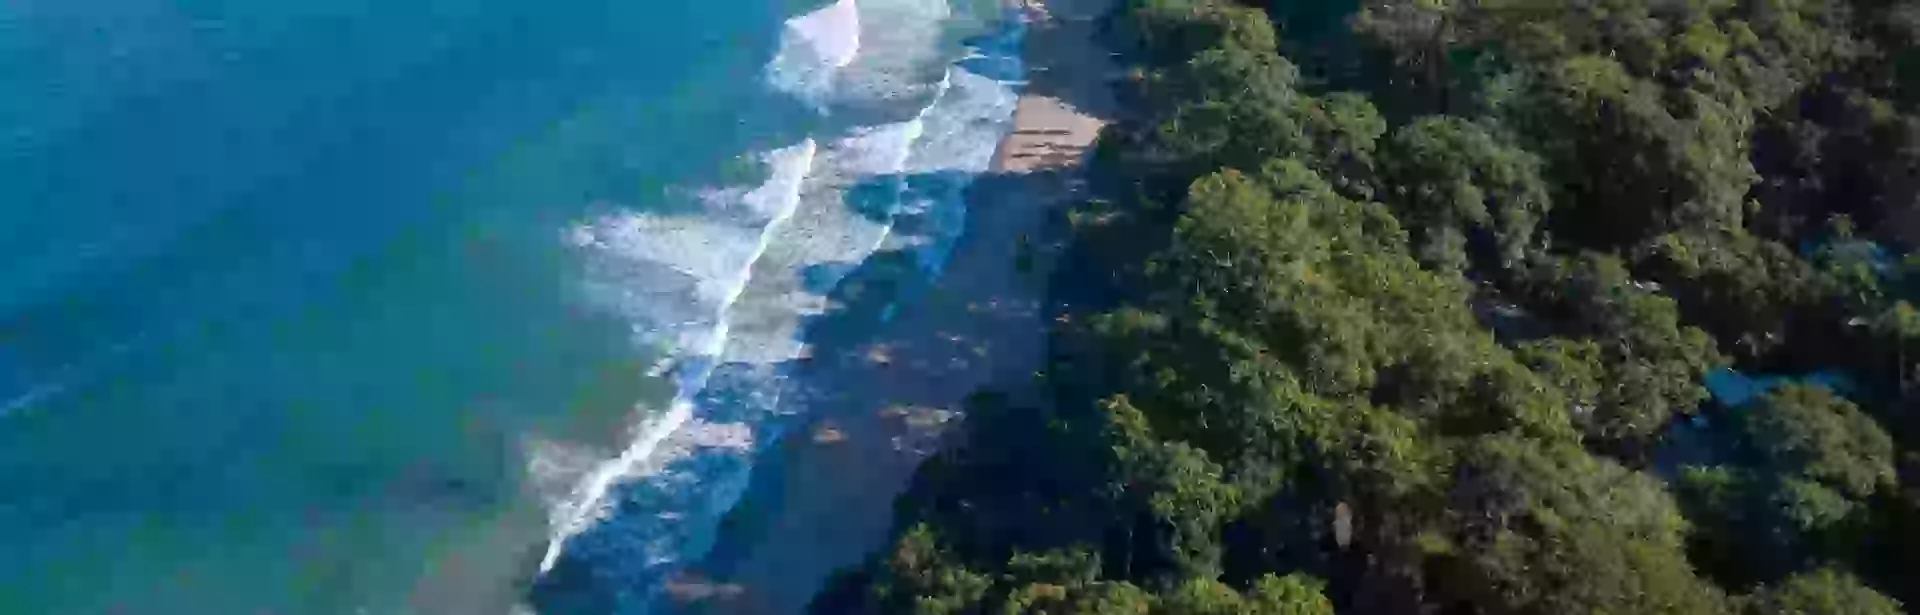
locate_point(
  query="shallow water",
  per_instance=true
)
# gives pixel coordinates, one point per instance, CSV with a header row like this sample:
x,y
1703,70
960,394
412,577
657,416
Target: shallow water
x,y
348,306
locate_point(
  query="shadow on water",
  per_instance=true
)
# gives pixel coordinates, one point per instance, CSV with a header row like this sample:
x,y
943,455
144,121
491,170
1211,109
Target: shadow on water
x,y
888,362
883,198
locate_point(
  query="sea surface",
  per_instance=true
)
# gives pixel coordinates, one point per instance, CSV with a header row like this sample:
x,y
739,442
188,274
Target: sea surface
x,y
439,306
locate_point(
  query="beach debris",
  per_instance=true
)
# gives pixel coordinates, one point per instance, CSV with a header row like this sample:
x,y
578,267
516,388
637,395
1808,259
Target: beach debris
x,y
687,588
1342,525
828,434
879,354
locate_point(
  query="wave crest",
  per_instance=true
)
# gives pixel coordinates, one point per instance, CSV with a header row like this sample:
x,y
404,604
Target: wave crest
x,y
717,259
813,47
726,292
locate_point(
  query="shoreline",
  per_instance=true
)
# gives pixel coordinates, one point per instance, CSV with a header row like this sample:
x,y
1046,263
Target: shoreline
x,y
823,500
1067,100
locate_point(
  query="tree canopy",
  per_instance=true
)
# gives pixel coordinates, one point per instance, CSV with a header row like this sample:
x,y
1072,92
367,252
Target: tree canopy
x,y
1442,341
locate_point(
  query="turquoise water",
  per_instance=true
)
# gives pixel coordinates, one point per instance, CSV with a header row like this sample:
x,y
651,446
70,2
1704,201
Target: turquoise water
x,y
343,306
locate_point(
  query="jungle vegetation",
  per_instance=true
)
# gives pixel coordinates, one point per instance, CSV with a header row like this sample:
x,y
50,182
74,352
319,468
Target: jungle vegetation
x,y
1417,307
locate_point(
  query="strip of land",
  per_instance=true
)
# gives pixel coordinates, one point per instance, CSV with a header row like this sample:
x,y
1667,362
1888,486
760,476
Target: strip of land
x,y
824,501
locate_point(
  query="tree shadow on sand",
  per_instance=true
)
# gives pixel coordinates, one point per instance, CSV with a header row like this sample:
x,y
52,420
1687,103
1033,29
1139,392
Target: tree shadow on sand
x,y
892,364
889,364
1063,60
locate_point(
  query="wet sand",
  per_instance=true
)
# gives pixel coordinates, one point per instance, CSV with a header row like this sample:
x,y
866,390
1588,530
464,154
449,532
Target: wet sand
x,y
823,500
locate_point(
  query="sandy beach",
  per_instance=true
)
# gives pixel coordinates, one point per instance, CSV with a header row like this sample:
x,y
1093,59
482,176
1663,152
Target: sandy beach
x,y
1068,98
1049,133
826,501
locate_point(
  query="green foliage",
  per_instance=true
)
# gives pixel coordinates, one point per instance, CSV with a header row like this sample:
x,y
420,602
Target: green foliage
x,y
1640,367
1849,273
1216,95
1741,288
1290,595
1058,567
1551,529
1822,592
1237,108
1634,160
925,579
1246,111
1287,393
1327,285
1806,431
1900,321
1580,371
1763,50
1839,150
1416,34
1112,599
1453,178
1181,495
1812,462
1170,31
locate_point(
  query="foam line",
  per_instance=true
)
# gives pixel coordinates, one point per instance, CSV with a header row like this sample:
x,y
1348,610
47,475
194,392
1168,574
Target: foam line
x,y
834,32
588,498
919,124
813,49
808,224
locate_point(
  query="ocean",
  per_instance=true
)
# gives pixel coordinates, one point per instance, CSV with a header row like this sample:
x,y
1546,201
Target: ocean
x,y
444,306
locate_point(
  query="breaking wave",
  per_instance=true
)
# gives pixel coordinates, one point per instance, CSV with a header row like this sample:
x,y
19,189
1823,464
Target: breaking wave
x,y
722,293
813,47
675,277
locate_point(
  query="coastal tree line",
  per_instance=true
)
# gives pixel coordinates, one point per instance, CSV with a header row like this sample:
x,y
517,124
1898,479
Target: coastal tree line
x,y
1471,307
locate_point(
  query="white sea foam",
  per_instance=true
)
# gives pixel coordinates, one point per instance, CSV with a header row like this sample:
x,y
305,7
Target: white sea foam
x,y
813,48
833,32
708,253
965,125
845,215
907,38
962,131
724,292
825,239
674,275
555,468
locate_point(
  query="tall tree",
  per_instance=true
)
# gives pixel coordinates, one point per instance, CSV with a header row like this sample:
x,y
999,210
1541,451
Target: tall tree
x,y
1454,181
1822,592
1546,529
1812,464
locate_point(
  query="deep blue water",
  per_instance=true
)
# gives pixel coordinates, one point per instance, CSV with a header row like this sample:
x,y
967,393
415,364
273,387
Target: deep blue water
x,y
338,306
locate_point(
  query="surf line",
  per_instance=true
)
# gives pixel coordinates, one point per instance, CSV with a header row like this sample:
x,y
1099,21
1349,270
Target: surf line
x,y
587,502
832,35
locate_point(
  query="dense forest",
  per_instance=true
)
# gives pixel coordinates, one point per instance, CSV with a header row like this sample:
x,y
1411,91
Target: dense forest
x,y
1543,307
